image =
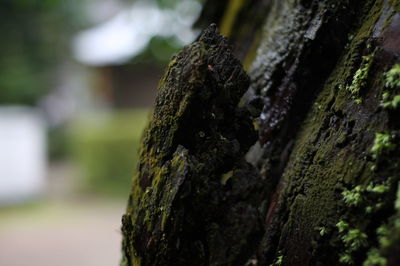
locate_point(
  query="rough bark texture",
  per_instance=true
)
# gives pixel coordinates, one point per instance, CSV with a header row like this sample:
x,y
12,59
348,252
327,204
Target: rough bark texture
x,y
322,188
195,199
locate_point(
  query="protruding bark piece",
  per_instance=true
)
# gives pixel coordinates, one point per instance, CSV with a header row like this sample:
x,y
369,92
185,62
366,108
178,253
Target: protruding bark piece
x,y
194,200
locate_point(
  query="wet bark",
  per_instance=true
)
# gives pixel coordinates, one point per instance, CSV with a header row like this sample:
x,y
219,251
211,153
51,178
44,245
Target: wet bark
x,y
194,201
319,186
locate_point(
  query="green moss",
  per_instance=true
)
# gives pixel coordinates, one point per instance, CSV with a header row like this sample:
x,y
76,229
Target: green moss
x,y
322,230
393,104
374,258
358,100
397,202
382,144
387,235
342,226
383,236
369,209
353,197
361,196
358,40
360,77
278,261
392,77
352,239
390,99
379,189
346,258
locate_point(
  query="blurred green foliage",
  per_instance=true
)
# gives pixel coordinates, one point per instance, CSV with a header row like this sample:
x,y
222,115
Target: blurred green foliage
x,y
106,148
158,52
35,36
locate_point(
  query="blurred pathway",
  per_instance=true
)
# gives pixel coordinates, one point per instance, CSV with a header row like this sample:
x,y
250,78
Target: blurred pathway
x,y
62,235
61,231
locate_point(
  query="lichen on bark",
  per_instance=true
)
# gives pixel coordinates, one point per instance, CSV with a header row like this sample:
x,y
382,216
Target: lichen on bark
x,y
195,199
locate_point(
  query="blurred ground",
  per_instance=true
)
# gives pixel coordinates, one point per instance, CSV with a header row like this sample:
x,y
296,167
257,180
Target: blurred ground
x,y
63,228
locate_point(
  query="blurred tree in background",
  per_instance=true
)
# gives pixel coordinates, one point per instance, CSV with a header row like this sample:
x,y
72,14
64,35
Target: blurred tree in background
x,y
36,35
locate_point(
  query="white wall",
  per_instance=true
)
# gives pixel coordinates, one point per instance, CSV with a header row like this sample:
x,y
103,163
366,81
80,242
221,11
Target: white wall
x,y
22,154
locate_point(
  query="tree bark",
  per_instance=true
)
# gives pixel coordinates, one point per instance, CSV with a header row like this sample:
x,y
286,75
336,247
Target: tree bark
x,y
320,184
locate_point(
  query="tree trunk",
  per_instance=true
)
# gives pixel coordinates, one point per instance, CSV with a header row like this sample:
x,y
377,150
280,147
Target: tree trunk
x,y
320,185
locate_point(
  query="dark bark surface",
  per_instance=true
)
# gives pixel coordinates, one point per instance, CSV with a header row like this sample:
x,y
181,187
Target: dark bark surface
x,y
322,184
195,199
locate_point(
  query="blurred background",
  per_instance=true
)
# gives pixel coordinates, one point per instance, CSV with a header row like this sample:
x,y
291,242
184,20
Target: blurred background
x,y
77,81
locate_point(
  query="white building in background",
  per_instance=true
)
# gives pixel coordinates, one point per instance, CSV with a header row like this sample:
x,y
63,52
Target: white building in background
x,y
125,35
22,154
